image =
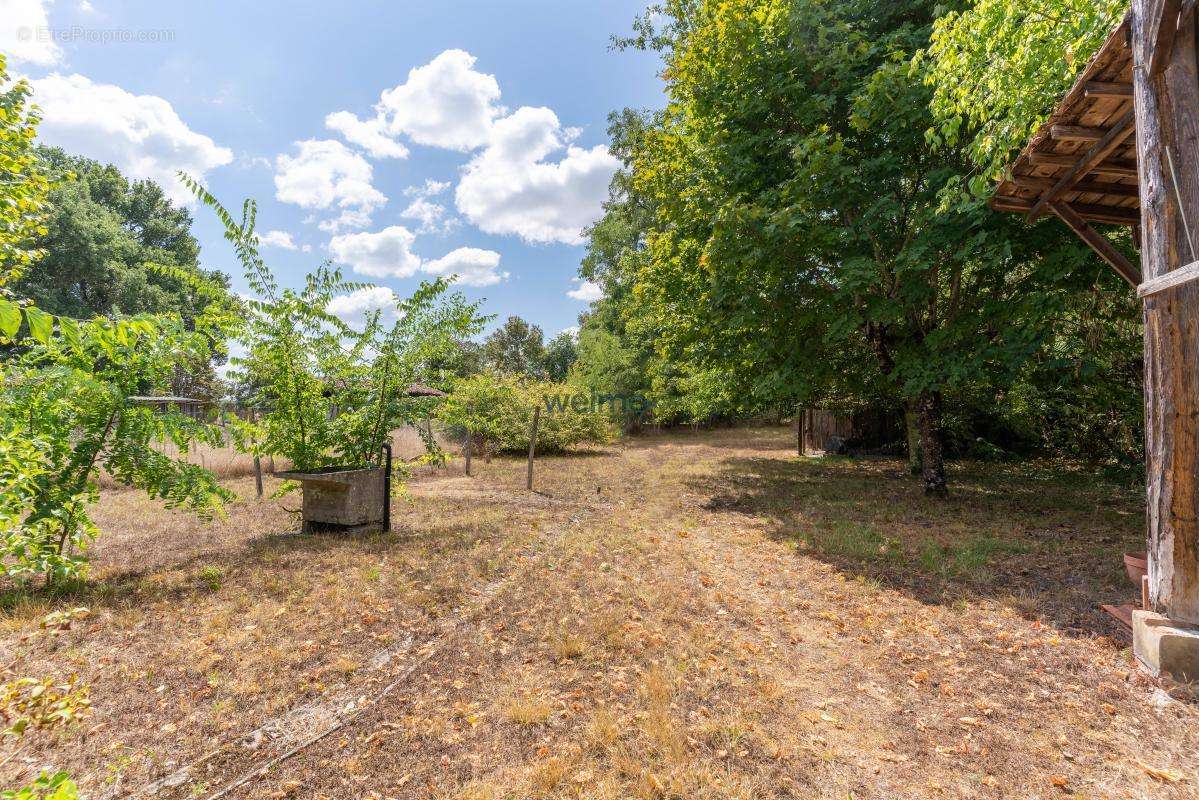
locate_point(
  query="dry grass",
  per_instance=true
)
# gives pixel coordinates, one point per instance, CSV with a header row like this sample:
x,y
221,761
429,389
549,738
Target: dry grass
x,y
528,711
227,462
689,616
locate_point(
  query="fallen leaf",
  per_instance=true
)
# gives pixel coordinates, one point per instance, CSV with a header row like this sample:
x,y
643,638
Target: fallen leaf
x,y
1164,775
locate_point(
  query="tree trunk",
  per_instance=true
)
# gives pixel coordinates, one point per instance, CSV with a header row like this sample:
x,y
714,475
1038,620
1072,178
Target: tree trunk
x,y
928,412
912,423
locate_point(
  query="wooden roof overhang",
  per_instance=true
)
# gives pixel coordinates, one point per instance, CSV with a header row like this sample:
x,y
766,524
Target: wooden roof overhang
x,y
1081,165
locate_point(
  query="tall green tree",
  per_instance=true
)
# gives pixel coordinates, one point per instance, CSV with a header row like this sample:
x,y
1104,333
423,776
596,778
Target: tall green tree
x,y
802,245
997,69
561,352
112,247
103,236
516,348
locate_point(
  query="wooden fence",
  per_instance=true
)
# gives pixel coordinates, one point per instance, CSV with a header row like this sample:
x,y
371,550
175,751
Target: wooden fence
x,y
821,431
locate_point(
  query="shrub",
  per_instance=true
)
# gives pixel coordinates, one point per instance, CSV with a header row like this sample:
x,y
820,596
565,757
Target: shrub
x,y
71,408
496,411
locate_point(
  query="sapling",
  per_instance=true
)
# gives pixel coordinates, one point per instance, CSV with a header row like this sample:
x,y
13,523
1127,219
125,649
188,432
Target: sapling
x,y
328,394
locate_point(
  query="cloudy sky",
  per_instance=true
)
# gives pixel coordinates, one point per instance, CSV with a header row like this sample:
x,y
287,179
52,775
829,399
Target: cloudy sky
x,y
402,140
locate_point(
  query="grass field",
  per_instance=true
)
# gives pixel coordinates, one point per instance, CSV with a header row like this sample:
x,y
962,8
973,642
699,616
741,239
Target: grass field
x,y
686,615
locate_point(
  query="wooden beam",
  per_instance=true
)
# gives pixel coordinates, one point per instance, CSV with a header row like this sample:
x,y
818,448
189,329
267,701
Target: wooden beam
x,y
1115,168
1077,133
1096,241
1107,89
1102,149
1171,279
1114,189
1167,132
1162,35
1109,215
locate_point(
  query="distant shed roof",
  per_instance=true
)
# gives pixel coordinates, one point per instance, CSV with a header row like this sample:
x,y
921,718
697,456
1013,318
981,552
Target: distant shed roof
x,y
420,390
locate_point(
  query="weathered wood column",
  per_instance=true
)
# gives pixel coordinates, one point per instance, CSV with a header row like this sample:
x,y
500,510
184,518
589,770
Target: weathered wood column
x,y
1166,91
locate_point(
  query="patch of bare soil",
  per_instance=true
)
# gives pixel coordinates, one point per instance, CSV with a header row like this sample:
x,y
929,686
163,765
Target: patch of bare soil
x,y
688,616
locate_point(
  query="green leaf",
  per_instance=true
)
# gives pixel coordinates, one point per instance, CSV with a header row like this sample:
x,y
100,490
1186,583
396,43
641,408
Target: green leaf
x,y
70,331
41,324
10,319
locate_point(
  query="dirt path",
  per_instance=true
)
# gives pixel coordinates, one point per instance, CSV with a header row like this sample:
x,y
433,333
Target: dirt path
x,y
710,617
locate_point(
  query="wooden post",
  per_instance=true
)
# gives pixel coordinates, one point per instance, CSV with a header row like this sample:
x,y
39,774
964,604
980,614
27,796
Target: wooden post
x,y
469,447
257,462
533,443
429,434
803,432
1166,94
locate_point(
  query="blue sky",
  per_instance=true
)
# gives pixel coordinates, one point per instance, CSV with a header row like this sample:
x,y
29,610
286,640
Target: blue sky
x,y
400,139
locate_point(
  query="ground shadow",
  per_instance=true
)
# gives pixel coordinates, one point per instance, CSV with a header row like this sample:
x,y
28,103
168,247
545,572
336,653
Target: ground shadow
x,y
1039,537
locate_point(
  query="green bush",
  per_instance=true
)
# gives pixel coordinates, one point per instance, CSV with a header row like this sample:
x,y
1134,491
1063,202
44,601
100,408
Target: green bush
x,y
497,412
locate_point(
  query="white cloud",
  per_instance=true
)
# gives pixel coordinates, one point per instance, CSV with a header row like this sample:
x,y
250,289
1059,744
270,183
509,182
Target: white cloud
x,y
510,188
352,308
140,134
326,174
474,267
428,189
386,254
24,29
446,103
86,7
430,215
586,291
280,239
572,331
367,134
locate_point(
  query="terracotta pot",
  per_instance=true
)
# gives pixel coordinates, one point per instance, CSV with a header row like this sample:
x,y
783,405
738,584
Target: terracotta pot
x,y
1137,566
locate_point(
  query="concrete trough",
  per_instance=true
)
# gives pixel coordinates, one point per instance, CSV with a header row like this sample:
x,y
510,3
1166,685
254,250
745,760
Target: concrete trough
x,y
344,499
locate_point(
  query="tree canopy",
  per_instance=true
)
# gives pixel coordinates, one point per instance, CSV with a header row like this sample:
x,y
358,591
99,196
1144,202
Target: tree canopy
x,y
101,241
790,228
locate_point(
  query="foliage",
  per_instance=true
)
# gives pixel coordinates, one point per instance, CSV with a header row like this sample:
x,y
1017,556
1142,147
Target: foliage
x,y
1081,396
616,352
781,234
516,348
48,786
103,232
24,185
114,247
70,409
496,412
45,705
329,394
998,67
561,352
